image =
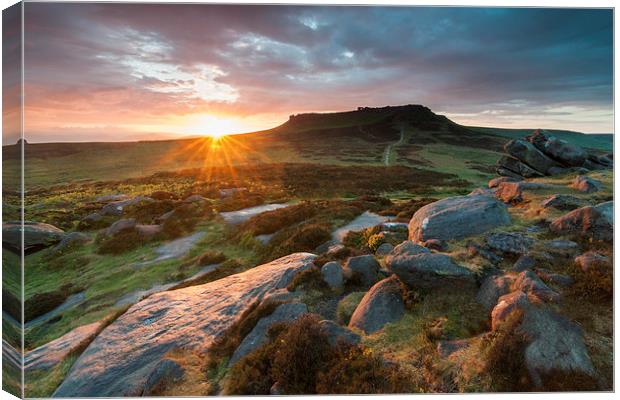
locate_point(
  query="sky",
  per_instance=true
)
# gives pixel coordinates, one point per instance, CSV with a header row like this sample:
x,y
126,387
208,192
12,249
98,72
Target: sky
x,y
108,72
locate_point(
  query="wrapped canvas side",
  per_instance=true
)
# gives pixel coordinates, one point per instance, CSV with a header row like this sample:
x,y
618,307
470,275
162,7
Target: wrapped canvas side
x,y
12,200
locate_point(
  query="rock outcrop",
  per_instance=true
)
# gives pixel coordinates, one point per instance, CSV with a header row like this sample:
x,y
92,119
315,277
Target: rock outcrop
x,y
122,357
457,218
540,154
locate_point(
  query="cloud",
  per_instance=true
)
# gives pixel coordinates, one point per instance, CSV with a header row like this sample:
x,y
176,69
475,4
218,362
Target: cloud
x,y
89,62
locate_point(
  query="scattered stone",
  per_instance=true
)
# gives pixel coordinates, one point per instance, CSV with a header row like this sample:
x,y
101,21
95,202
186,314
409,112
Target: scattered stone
x,y
384,249
428,270
528,282
195,198
585,184
512,192
163,195
381,305
492,289
435,244
591,260
493,183
457,218
258,336
91,220
116,207
332,274
551,277
37,236
523,263
474,249
365,267
337,333
165,373
506,242
561,248
229,192
120,226
563,202
70,241
120,359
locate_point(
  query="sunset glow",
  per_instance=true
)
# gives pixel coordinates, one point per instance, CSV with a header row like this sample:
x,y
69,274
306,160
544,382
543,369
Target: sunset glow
x,y
137,72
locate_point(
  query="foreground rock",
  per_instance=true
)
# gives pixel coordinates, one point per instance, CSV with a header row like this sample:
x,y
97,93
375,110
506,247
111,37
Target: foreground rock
x,y
258,336
429,270
37,236
563,202
337,334
507,242
381,305
457,218
592,260
121,358
585,184
553,342
54,352
165,374
332,274
365,268
588,222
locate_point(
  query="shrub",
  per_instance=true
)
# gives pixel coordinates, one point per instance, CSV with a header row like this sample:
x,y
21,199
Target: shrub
x,y
310,279
303,238
346,307
122,242
357,371
303,350
504,354
147,211
594,285
211,257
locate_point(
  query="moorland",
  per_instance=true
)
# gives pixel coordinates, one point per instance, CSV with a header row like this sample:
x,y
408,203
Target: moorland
x,y
210,266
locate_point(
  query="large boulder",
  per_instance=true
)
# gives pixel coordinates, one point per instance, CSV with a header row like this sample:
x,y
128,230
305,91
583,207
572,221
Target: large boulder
x,y
528,282
530,155
287,312
119,361
589,222
457,218
365,268
585,184
564,152
492,288
429,270
37,236
509,242
381,305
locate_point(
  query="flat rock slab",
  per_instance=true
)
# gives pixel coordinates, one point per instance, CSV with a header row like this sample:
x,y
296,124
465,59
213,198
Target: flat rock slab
x,y
174,249
237,217
119,361
365,220
54,352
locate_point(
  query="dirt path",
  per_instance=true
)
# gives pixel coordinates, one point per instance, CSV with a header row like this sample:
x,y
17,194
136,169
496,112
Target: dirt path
x,y
390,147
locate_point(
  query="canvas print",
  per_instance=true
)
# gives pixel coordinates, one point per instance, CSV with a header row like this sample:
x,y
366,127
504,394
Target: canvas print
x,y
204,200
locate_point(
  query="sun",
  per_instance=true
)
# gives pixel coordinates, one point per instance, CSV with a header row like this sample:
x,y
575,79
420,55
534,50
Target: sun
x,y
215,136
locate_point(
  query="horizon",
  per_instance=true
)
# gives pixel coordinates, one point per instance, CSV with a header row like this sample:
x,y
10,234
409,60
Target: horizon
x,y
134,72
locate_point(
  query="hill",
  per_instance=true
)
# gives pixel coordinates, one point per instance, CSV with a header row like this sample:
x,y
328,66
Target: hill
x,y
409,135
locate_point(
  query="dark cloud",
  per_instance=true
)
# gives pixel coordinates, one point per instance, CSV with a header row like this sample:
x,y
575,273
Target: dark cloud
x,y
550,66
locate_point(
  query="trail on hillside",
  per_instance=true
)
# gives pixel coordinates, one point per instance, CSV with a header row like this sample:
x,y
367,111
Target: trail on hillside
x,y
388,149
